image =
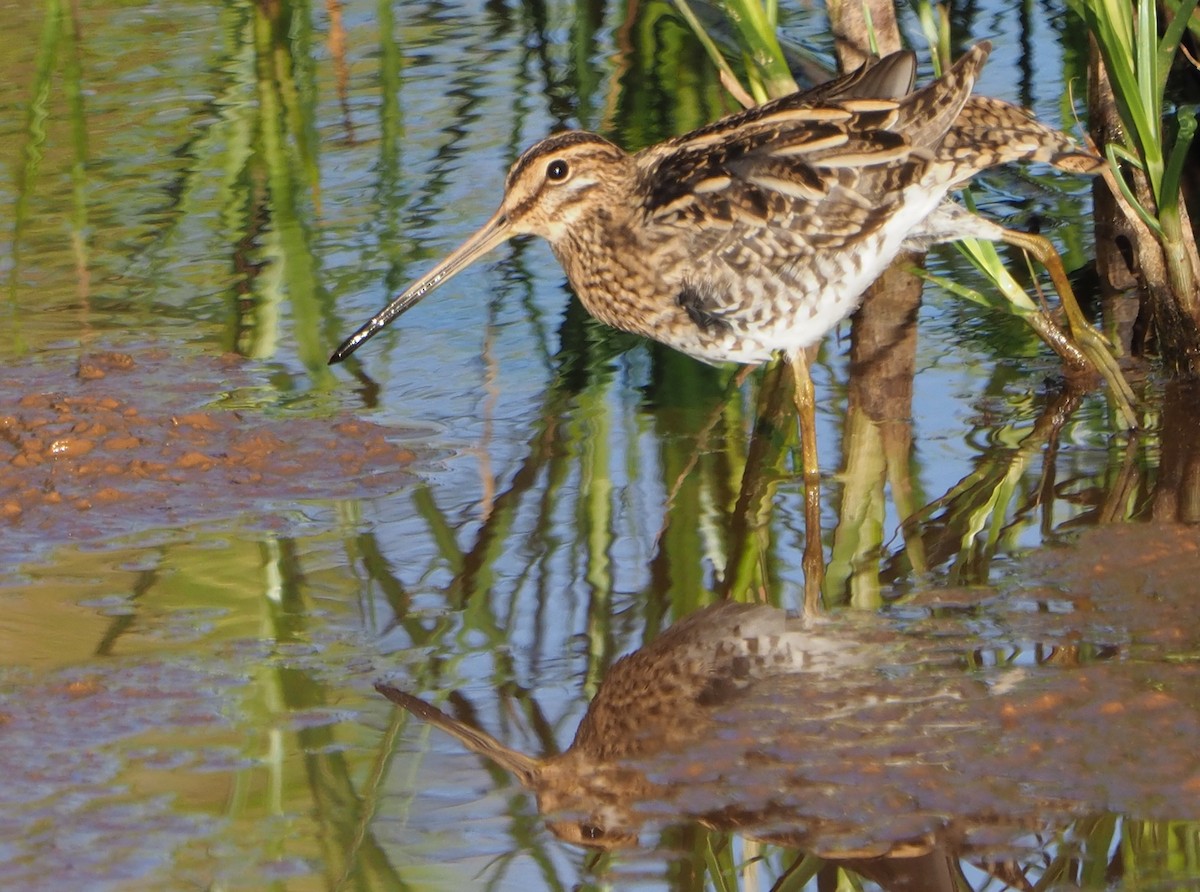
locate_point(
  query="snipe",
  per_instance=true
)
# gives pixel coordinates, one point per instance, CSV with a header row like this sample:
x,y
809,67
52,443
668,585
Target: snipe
x,y
760,232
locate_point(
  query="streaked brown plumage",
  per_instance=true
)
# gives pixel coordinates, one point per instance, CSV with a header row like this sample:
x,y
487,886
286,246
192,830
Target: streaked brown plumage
x,y
760,232
656,701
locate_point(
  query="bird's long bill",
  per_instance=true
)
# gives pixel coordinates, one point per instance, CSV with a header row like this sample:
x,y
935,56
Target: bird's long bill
x,y
523,766
494,232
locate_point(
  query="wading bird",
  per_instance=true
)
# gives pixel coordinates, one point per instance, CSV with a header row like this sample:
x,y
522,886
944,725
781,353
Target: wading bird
x,y
758,233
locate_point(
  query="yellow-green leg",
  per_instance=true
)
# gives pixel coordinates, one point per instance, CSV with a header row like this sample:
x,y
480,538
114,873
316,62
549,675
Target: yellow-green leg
x,y
814,555
1086,339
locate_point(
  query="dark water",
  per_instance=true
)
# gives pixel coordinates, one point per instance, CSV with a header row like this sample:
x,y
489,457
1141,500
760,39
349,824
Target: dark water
x,y
214,545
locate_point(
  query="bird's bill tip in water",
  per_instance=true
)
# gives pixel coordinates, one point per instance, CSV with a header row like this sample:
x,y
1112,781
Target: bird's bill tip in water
x,y
494,232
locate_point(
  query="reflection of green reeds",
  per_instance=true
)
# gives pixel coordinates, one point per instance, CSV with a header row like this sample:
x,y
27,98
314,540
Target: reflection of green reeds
x,y
1160,851
852,575
1099,851
59,34
990,506
286,136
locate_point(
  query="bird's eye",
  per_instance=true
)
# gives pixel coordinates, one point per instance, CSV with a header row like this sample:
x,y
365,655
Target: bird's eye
x,y
557,170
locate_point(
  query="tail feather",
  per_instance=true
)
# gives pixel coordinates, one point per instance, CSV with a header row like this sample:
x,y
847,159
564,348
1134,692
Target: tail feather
x,y
931,112
990,132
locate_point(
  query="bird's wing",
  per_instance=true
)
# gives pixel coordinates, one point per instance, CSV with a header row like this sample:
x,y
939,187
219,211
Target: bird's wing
x,y
811,147
758,195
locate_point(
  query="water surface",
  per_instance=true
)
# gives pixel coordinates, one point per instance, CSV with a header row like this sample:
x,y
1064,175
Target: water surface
x,y
215,545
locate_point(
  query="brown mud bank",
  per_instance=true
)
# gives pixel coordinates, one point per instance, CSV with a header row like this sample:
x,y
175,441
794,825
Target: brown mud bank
x,y
124,442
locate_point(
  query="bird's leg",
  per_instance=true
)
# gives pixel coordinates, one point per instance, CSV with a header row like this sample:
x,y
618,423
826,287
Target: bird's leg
x,y
1086,339
814,555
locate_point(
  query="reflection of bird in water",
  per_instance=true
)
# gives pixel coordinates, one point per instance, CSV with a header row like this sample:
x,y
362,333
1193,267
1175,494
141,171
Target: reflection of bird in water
x,y
888,752
654,701
663,700
861,738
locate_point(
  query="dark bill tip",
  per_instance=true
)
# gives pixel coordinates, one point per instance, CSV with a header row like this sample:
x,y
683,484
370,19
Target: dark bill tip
x,y
353,342
378,322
